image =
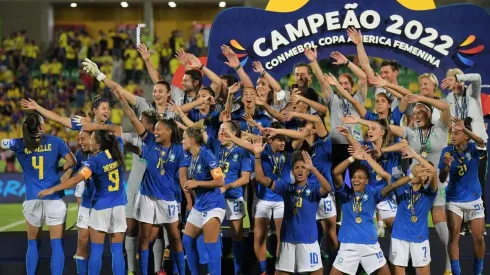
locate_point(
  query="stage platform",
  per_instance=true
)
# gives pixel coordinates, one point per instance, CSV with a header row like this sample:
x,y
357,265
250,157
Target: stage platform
x,y
13,246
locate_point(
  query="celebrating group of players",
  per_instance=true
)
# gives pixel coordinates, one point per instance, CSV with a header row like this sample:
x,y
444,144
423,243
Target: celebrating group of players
x,y
208,143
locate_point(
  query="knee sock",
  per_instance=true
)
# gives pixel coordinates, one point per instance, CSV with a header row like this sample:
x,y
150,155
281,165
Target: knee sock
x,y
32,256
179,262
238,256
214,265
263,266
190,246
478,266
144,261
158,254
203,253
130,245
95,261
455,269
81,265
57,257
443,234
118,264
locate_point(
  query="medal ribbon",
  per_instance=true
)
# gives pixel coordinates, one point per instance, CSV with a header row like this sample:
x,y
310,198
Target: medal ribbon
x,y
297,196
192,169
223,156
424,138
278,165
413,200
357,205
461,110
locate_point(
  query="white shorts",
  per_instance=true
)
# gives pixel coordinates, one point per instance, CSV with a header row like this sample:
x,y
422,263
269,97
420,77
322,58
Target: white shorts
x,y
269,209
326,208
300,258
441,194
79,189
370,256
401,251
387,209
235,209
36,212
154,211
199,219
83,217
110,220
467,210
131,204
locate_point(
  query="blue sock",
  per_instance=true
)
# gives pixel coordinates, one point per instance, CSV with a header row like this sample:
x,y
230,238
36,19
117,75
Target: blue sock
x,y
57,257
179,261
81,265
455,269
203,253
190,246
95,260
478,266
214,250
118,263
175,268
263,266
238,256
144,261
32,256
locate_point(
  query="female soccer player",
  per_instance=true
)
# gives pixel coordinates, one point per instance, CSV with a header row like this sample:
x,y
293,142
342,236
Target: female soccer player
x,y
460,162
357,235
249,108
107,215
299,250
236,165
156,204
410,236
39,155
206,178
270,90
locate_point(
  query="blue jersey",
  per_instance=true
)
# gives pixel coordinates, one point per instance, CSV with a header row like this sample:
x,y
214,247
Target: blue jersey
x,y
202,169
299,228
261,118
387,161
321,155
75,126
350,231
464,185
233,161
40,166
394,118
404,228
108,181
210,121
295,124
275,166
162,169
88,192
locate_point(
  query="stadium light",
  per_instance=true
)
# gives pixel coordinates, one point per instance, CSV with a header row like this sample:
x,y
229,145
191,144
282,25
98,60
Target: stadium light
x,y
222,4
124,4
172,4
73,5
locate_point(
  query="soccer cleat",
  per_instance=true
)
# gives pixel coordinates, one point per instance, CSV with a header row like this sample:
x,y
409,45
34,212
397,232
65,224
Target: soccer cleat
x,y
448,272
265,273
131,273
161,272
380,230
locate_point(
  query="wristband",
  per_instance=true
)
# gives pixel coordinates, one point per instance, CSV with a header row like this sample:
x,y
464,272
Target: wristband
x,y
411,176
263,73
202,67
347,63
351,159
237,67
100,76
143,134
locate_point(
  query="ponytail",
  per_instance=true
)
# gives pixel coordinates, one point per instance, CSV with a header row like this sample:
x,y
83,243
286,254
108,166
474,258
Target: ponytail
x,y
388,136
108,141
30,131
195,133
176,136
235,127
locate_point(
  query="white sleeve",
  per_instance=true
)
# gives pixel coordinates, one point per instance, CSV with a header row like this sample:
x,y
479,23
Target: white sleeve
x,y
79,189
475,87
6,143
141,105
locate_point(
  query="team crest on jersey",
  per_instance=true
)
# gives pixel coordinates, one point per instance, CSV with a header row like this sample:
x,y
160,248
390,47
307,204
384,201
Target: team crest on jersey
x,y
308,192
235,157
80,218
468,155
199,168
171,158
365,197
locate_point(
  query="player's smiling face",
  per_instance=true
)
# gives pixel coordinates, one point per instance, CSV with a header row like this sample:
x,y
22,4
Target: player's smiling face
x,y
300,172
203,93
160,93
94,147
84,140
421,116
359,180
427,87
302,76
102,112
262,87
162,132
248,97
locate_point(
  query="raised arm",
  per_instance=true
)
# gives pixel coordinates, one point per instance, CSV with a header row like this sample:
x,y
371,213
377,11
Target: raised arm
x,y
408,152
140,129
132,148
152,71
313,104
356,38
258,68
319,126
311,54
340,59
90,127
29,104
475,85
259,172
69,183
391,187
396,130
286,132
231,94
195,63
396,90
459,126
346,133
377,168
234,63
325,186
343,93
243,180
436,103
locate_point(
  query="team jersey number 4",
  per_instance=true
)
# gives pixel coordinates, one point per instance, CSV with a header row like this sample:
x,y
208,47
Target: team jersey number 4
x,y
114,178
38,163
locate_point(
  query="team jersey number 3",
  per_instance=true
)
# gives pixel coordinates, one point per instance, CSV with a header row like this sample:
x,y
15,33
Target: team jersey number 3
x,y
114,178
38,163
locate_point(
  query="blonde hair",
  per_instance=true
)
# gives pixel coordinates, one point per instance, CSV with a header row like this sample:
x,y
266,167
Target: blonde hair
x,y
453,72
432,77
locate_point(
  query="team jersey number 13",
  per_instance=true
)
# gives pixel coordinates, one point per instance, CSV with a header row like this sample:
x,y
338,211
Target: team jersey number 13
x,y
114,178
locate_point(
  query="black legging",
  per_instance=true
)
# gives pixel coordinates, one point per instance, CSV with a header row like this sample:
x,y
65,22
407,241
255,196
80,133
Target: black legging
x,y
339,154
482,175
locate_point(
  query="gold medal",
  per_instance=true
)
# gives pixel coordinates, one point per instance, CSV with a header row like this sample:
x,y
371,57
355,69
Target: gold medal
x,y
447,154
424,154
358,220
414,218
162,172
378,177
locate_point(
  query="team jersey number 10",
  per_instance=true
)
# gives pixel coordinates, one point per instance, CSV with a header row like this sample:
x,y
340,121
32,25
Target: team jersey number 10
x,y
114,178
